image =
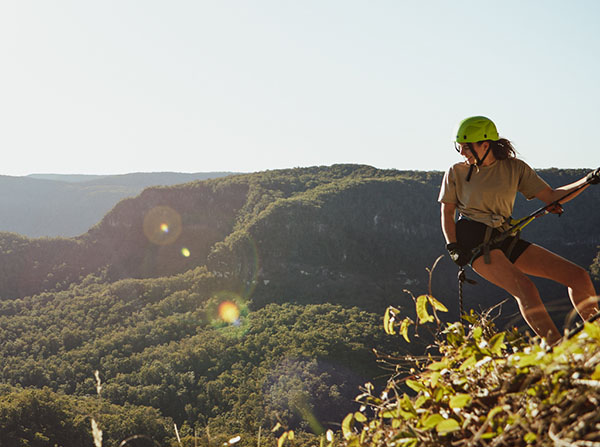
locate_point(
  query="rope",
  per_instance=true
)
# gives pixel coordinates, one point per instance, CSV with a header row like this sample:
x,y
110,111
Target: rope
x,y
462,278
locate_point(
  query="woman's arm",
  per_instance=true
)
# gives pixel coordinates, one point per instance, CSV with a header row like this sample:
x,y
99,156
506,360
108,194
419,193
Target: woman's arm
x,y
549,195
448,212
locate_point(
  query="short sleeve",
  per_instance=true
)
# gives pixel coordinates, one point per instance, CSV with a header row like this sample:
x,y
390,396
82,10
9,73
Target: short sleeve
x,y
448,188
530,183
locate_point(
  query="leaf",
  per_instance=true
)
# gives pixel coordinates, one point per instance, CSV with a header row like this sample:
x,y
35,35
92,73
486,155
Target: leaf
x,y
596,373
530,438
388,321
436,304
406,406
460,401
494,411
593,330
360,417
421,400
496,343
447,426
432,421
533,359
417,386
422,312
347,426
468,363
404,328
438,366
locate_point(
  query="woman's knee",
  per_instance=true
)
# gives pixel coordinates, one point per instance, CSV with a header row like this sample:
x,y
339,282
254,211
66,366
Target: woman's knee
x,y
525,292
578,277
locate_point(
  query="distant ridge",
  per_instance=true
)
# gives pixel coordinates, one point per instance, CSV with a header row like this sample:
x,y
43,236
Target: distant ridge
x,y
68,205
71,178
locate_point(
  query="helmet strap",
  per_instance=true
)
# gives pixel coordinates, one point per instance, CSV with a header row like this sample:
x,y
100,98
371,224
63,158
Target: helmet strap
x,y
479,161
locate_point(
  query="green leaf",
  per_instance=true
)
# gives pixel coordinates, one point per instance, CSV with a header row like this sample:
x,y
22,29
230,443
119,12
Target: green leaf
x,y
347,426
404,328
432,421
530,438
593,330
436,304
422,399
388,321
447,426
438,366
406,407
360,417
533,359
417,386
422,312
468,363
494,411
496,343
440,392
460,401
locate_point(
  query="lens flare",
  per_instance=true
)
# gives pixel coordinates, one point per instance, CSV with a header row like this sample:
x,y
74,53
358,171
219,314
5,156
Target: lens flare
x,y
229,312
185,252
162,225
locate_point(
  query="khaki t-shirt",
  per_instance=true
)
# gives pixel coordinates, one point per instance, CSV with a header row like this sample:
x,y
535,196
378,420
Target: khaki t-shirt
x,y
489,196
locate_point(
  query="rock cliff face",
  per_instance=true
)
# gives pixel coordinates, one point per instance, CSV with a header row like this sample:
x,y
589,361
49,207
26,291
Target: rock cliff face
x,y
345,233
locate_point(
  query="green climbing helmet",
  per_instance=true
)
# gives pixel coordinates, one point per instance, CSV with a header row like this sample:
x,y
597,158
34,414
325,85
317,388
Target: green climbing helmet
x,y
476,128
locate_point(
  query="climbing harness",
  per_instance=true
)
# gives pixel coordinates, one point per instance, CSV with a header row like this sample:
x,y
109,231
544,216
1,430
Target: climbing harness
x,y
514,229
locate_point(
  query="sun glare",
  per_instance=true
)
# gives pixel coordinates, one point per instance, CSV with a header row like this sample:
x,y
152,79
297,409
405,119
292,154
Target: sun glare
x,y
229,312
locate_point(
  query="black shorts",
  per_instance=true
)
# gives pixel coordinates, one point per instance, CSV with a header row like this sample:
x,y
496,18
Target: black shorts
x,y
470,234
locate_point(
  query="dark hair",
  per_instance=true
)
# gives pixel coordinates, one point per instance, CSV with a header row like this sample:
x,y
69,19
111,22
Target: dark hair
x,y
502,149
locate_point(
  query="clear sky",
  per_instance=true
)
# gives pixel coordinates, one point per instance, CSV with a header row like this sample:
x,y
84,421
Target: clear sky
x,y
117,86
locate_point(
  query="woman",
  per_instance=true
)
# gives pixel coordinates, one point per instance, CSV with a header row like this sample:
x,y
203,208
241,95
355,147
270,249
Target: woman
x,y
482,189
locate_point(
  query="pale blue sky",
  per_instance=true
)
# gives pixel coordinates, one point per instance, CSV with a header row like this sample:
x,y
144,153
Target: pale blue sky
x,y
116,86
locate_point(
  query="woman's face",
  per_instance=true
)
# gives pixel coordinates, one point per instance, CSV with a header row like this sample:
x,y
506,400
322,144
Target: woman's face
x,y
465,151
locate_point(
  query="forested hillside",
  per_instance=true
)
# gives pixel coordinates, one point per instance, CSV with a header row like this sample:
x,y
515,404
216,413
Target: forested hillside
x,y
228,305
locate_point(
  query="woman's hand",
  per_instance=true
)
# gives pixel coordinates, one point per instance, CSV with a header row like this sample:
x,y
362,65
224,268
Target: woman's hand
x,y
459,255
593,177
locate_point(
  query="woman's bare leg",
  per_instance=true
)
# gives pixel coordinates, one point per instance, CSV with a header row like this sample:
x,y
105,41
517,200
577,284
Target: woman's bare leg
x,y
538,261
503,273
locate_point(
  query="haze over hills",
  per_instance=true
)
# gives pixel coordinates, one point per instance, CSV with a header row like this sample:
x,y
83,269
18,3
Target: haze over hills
x,y
305,259
68,205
